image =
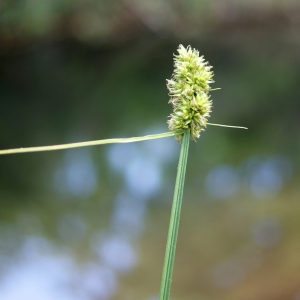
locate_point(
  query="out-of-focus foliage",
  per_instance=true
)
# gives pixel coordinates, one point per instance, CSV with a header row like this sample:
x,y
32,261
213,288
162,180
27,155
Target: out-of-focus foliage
x,y
102,21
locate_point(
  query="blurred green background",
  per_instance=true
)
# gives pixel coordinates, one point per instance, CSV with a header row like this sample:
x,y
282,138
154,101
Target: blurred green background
x,y
92,223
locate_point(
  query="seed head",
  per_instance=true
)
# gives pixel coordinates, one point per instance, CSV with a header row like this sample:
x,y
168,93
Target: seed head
x,y
188,89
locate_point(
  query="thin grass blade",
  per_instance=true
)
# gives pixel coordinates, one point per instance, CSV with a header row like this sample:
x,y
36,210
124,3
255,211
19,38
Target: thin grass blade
x,y
228,126
86,144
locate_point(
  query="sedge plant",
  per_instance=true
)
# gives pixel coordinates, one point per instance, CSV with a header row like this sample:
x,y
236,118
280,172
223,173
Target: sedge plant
x,y
189,89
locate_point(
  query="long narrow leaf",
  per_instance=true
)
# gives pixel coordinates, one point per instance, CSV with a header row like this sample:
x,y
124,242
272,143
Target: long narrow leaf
x,y
86,144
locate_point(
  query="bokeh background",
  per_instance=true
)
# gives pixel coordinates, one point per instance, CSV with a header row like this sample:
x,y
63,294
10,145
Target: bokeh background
x,y
91,223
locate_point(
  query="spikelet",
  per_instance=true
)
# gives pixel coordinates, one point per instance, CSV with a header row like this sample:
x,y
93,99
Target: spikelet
x,y
188,89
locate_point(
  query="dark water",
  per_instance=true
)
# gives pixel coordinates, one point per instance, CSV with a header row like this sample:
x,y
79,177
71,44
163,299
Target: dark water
x,y
91,223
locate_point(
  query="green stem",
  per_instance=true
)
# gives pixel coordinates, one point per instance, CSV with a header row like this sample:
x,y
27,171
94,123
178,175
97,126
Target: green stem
x,y
86,144
174,220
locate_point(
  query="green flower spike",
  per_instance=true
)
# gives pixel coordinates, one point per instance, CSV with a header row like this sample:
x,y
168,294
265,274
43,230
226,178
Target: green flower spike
x,y
188,89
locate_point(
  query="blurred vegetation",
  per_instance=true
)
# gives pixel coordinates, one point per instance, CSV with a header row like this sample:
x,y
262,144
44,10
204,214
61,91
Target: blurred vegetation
x,y
84,70
116,22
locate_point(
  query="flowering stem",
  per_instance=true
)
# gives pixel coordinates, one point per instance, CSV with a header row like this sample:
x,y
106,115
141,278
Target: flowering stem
x,y
174,220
